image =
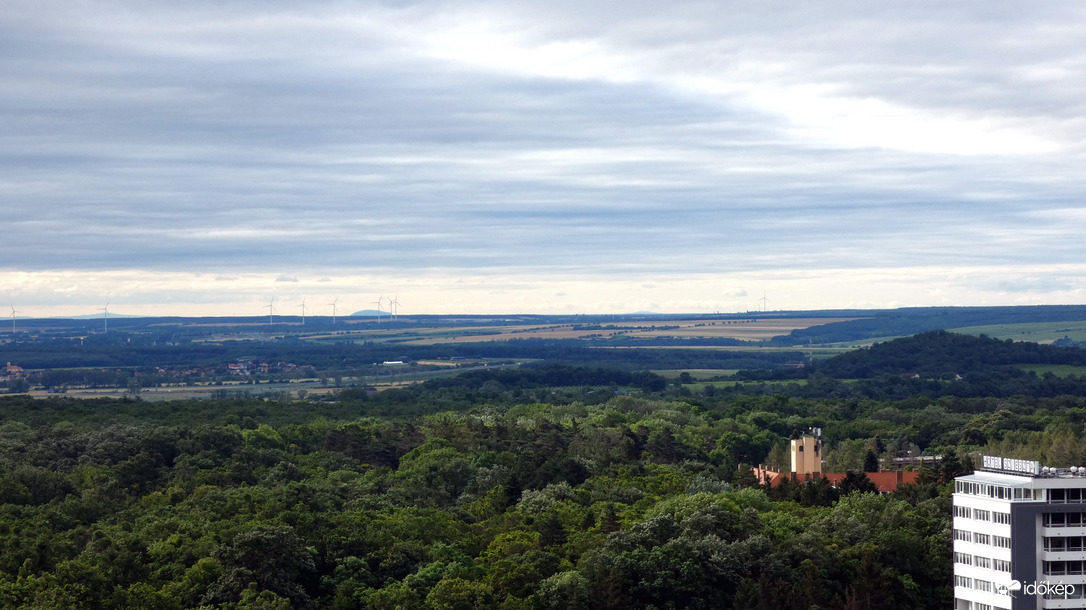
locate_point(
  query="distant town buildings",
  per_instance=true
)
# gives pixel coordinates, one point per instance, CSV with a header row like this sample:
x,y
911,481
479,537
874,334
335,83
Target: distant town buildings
x,y
245,368
914,462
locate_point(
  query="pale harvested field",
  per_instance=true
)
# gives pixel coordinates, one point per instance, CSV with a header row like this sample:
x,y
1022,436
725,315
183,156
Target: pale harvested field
x,y
444,363
748,331
752,330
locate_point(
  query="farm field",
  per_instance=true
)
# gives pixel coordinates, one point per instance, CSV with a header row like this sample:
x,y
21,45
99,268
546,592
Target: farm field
x,y
703,378
1039,332
699,387
697,374
810,352
753,329
297,387
1059,370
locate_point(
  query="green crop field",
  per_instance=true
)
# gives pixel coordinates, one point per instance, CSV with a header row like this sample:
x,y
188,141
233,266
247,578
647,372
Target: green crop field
x,y
700,387
698,374
1059,370
1040,332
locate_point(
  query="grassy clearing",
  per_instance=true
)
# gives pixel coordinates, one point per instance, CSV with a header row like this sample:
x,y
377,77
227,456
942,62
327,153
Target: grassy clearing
x,y
1040,332
698,374
1059,370
700,387
845,346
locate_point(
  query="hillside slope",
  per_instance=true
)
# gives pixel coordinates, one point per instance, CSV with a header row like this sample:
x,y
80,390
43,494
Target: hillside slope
x,y
940,353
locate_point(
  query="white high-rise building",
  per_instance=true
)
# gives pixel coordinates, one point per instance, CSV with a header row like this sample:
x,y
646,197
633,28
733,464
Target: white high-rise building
x,y
1020,537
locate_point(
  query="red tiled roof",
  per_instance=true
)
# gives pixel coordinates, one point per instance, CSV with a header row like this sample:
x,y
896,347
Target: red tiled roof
x,y
884,481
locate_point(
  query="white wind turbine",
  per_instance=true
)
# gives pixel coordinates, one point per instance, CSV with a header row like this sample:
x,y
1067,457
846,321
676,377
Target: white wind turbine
x,y
271,311
303,310
12,316
393,304
378,303
333,304
105,316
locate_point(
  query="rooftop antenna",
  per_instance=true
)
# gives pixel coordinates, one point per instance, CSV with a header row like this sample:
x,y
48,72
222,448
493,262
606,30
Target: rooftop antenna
x,y
12,316
271,311
764,300
333,304
105,316
303,310
378,302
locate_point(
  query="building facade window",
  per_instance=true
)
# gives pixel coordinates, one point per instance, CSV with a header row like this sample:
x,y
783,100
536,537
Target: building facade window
x,y
1062,520
1065,496
1075,592
1061,545
1062,568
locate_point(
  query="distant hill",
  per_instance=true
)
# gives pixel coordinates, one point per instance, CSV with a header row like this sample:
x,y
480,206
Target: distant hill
x,y
89,316
370,313
938,354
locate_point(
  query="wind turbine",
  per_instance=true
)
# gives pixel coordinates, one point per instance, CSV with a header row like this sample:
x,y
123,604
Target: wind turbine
x,y
378,302
393,304
271,310
12,316
764,300
333,304
105,316
303,310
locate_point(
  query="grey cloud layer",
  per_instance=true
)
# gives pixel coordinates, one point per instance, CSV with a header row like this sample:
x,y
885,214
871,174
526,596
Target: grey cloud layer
x,y
623,138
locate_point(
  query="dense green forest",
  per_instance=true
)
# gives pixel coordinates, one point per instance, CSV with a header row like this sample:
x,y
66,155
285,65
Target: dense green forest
x,y
556,486
630,503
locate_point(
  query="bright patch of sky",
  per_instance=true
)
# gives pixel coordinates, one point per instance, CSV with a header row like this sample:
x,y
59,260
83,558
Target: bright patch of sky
x,y
539,157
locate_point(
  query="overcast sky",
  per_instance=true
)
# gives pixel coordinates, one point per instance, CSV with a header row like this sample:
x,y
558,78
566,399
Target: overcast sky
x,y
201,158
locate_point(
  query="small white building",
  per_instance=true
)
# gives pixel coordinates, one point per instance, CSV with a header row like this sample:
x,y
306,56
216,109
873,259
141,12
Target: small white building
x,y
1020,537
